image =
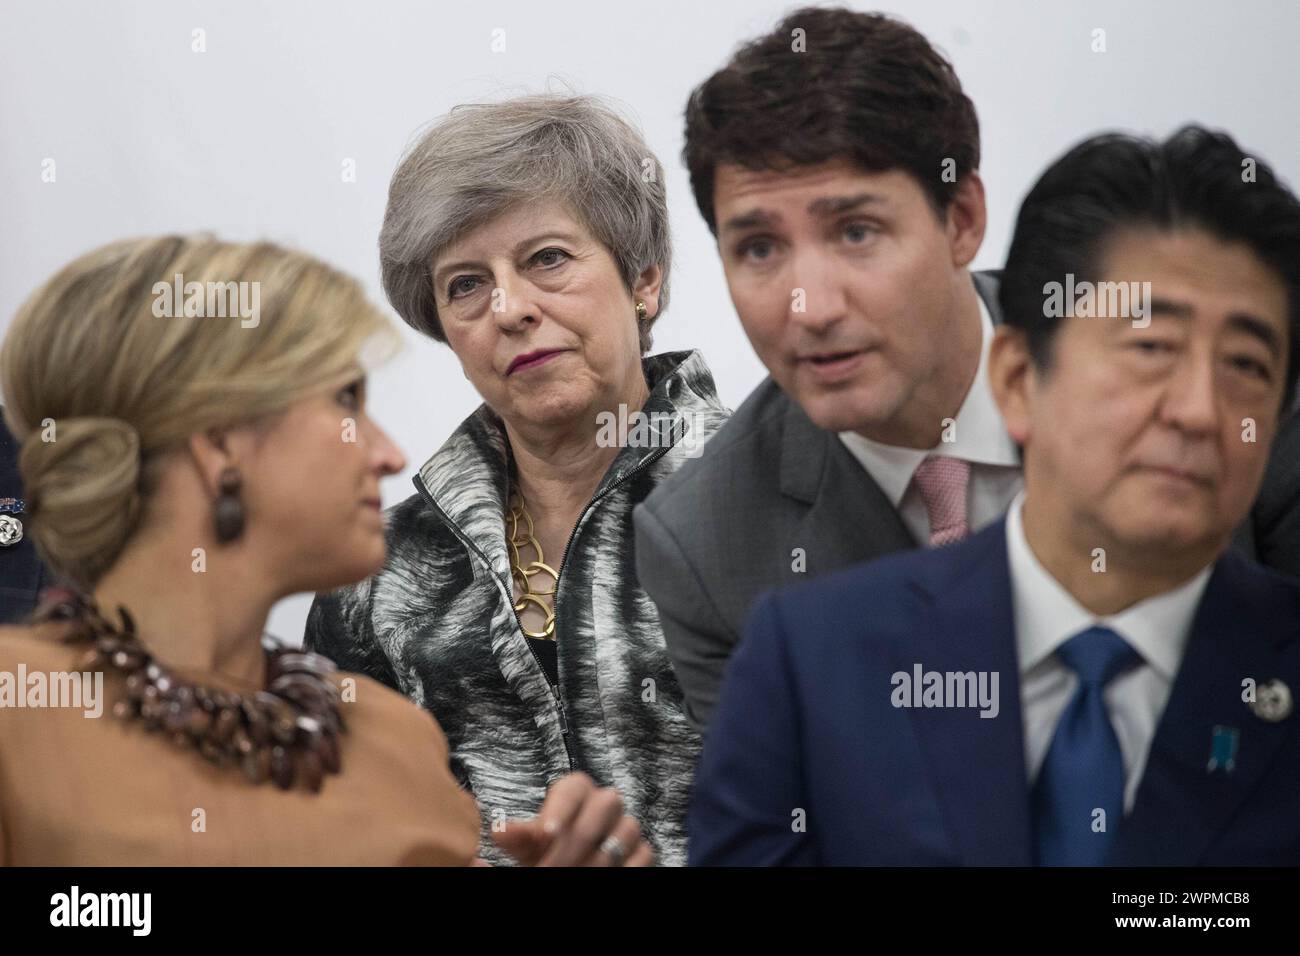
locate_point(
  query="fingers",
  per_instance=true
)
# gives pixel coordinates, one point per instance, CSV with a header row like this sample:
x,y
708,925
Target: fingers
x,y
627,833
528,840
571,829
599,813
564,801
525,840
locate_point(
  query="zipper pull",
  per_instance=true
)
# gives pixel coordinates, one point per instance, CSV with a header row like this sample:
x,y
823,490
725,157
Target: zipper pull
x,y
564,718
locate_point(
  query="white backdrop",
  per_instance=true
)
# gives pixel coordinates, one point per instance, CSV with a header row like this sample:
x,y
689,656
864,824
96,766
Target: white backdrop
x,y
249,138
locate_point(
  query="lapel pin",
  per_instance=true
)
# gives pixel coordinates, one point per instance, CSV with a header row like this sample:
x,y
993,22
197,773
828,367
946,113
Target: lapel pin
x,y
1272,701
11,530
1223,749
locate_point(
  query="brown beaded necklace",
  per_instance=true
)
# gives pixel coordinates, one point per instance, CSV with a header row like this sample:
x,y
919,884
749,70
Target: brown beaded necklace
x,y
287,733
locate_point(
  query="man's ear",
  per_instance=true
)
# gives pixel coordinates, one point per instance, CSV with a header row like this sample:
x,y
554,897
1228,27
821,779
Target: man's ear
x,y
1012,377
647,289
967,219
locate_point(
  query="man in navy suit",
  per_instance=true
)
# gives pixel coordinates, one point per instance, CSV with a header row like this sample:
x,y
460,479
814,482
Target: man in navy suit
x,y
1099,678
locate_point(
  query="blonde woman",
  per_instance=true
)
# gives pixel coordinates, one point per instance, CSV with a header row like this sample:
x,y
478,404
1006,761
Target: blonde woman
x,y
194,447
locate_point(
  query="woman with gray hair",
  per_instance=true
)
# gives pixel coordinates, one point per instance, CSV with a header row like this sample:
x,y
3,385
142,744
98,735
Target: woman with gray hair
x,y
531,236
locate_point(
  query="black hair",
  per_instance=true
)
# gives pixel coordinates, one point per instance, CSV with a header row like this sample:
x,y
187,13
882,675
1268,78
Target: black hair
x,y
1197,178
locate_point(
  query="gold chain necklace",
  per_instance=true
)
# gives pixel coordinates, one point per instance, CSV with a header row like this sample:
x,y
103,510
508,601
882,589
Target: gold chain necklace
x,y
521,534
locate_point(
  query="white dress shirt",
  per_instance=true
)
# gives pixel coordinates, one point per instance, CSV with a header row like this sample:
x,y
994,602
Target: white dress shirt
x,y
1046,616
980,437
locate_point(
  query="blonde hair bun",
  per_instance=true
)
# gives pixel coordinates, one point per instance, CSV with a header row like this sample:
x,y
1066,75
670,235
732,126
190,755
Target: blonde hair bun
x,y
83,491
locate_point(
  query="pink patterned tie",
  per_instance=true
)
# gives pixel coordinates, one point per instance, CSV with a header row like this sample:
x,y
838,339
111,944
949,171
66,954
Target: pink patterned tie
x,y
942,483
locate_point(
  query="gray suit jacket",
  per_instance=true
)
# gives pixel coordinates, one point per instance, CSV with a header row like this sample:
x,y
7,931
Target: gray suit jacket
x,y
774,500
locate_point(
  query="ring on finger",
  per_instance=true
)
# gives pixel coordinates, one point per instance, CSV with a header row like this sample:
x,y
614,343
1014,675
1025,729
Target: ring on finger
x,y
614,849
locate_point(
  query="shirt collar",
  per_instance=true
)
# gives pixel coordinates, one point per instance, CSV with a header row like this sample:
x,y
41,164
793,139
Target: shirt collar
x,y
979,432
1047,615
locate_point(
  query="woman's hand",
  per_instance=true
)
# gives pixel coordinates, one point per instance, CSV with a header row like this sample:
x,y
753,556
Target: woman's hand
x,y
580,824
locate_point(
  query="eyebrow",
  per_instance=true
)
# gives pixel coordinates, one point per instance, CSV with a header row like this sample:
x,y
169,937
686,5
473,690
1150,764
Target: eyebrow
x,y
1241,321
834,206
1252,325
755,218
823,207
441,274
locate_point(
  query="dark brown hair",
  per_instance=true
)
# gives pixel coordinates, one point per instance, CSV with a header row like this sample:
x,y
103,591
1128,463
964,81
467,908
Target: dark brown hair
x,y
866,87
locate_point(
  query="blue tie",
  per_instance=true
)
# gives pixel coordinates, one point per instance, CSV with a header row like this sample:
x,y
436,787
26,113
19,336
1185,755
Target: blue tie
x,y
1084,769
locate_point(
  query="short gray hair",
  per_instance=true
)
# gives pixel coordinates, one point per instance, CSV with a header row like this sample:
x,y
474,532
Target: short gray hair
x,y
482,159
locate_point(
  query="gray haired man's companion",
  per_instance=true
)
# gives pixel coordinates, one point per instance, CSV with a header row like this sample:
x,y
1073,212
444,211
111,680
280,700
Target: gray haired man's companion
x,y
532,237
841,184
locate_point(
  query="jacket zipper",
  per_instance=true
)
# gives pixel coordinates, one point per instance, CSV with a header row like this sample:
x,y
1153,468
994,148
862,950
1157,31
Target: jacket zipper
x,y
555,692
559,578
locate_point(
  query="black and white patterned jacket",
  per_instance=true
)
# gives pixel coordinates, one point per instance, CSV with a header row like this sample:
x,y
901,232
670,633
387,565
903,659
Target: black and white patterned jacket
x,y
438,624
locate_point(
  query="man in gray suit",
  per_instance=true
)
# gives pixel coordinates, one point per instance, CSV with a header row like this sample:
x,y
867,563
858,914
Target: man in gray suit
x,y
836,161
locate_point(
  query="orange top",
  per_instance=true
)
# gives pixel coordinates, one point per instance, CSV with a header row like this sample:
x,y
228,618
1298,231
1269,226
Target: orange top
x,y
99,791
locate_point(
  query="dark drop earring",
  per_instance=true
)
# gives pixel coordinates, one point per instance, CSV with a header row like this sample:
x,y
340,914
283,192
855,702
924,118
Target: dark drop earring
x,y
230,510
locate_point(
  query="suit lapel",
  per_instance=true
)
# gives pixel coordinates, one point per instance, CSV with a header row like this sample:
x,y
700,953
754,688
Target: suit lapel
x,y
1239,632
850,519
977,764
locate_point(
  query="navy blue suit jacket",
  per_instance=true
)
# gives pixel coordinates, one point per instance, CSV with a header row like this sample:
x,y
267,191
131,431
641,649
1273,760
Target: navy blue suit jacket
x,y
809,762
22,574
